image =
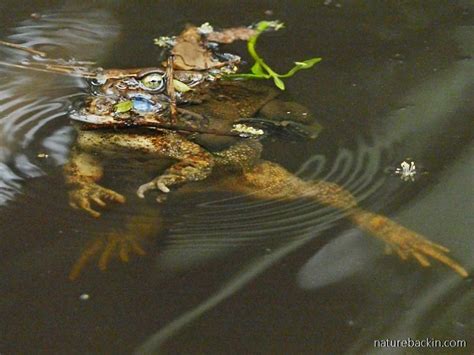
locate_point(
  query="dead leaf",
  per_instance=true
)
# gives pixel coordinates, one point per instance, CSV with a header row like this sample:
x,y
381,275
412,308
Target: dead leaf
x,y
230,35
190,54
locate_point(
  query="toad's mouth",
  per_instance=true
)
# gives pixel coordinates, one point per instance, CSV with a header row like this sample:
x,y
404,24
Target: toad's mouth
x,y
139,110
142,112
136,110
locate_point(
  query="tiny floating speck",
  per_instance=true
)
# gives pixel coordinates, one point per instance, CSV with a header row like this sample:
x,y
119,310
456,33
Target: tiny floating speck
x,y
205,29
84,297
407,171
165,41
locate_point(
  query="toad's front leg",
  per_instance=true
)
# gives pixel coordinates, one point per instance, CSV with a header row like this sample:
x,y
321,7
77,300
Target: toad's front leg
x,y
194,164
82,172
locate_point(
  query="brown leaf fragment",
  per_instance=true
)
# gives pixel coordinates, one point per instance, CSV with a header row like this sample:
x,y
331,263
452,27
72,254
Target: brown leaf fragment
x,y
232,34
190,54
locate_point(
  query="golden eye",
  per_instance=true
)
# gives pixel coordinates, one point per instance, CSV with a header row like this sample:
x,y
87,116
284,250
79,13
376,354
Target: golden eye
x,y
153,82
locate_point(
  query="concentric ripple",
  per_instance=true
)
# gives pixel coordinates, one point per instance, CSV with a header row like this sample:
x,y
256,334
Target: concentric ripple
x,y
33,105
237,221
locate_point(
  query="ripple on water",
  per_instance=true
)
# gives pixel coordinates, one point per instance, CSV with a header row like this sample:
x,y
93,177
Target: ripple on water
x,y
241,220
33,105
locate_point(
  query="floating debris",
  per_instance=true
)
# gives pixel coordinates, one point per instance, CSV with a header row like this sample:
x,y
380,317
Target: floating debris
x,y
229,35
205,29
165,41
407,171
84,297
42,155
123,106
22,48
191,52
180,86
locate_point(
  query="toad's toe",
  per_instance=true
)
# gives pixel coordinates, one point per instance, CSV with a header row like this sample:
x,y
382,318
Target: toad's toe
x,y
144,188
162,187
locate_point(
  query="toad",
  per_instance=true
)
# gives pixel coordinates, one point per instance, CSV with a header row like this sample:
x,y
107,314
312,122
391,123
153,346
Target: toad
x,y
204,142
211,125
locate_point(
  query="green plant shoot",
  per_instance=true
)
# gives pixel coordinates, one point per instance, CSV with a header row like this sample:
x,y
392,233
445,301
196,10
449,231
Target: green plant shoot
x,y
260,69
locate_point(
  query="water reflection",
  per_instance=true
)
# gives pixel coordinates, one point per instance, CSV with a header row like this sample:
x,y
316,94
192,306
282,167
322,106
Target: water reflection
x,y
244,221
33,105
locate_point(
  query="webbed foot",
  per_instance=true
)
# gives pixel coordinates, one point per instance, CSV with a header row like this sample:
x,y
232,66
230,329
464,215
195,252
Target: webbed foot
x,y
83,196
405,242
270,181
114,245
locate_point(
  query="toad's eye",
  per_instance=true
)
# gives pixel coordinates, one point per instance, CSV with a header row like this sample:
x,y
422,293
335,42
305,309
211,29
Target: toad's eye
x,y
153,82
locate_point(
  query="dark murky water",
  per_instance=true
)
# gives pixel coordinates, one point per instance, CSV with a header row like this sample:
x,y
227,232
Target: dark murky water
x,y
225,273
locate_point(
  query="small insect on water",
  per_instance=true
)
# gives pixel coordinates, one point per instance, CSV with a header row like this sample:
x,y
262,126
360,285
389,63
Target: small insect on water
x,y
407,171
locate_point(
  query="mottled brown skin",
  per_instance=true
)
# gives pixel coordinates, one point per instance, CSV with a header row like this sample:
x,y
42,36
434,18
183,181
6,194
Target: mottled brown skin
x,y
197,156
221,103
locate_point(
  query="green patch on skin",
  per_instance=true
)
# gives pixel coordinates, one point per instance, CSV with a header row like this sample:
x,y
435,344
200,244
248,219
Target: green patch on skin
x,y
261,70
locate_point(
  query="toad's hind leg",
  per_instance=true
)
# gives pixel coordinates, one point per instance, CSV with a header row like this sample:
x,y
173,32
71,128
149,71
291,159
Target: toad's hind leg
x,y
271,181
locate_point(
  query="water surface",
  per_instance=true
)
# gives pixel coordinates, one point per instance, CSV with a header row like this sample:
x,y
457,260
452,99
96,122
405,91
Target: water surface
x,y
224,272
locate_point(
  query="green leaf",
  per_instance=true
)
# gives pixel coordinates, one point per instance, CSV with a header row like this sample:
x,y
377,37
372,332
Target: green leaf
x,y
263,25
180,86
123,106
279,83
308,63
258,70
301,65
275,25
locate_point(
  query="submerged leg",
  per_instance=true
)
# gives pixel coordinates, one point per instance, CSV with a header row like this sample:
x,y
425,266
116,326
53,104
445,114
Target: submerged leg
x,y
271,181
118,244
405,242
